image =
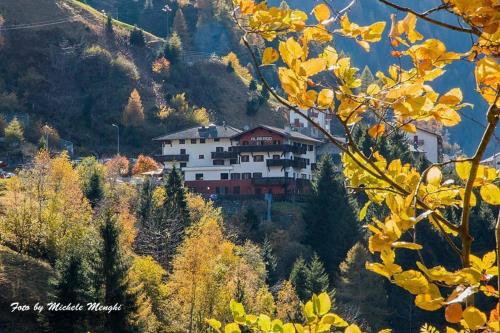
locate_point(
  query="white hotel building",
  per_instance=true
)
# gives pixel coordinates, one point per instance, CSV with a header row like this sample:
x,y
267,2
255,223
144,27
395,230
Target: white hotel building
x,y
227,161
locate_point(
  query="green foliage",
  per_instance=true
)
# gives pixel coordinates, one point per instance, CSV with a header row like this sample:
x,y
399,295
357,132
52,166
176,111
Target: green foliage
x,y
91,179
14,133
331,227
113,276
253,85
253,105
370,303
73,286
270,260
173,49
137,38
308,279
109,23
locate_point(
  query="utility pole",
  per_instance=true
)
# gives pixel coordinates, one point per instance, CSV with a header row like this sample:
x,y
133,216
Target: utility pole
x,y
118,138
167,10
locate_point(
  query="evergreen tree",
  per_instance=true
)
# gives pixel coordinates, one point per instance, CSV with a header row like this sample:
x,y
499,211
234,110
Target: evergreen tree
x,y
298,278
109,24
133,114
309,279
115,285
230,67
176,196
251,222
94,192
253,85
331,226
316,277
137,38
270,260
173,49
370,302
181,29
264,94
14,133
72,287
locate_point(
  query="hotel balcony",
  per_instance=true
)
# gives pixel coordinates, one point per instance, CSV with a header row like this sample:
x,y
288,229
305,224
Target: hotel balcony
x,y
173,158
270,148
278,181
286,163
224,154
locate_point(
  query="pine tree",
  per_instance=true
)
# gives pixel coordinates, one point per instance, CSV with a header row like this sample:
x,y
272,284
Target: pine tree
x,y
370,302
72,287
270,260
288,305
331,226
133,114
109,24
173,49
14,133
180,27
316,277
253,85
115,285
298,278
94,192
137,38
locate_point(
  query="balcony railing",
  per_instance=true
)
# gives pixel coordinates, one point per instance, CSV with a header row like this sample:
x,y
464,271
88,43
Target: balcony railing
x,y
270,148
286,163
278,181
172,158
224,154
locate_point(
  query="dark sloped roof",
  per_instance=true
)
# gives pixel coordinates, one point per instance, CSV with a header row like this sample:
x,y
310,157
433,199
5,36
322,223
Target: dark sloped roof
x,y
212,131
286,133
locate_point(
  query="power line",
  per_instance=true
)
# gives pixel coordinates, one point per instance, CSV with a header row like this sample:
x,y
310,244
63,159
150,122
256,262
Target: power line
x,y
38,24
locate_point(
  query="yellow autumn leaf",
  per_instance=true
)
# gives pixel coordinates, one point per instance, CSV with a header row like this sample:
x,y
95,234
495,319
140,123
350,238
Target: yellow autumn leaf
x,y
290,51
431,300
374,32
353,328
407,245
474,318
312,66
490,193
246,6
462,169
408,25
376,130
452,97
325,98
488,78
434,176
232,328
321,12
413,281
269,56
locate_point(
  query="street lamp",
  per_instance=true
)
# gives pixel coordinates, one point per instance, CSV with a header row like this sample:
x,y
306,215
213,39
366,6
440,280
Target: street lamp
x,y
167,10
118,137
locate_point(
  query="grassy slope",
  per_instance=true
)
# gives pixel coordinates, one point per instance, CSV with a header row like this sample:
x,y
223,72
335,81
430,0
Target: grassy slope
x,y
24,280
62,100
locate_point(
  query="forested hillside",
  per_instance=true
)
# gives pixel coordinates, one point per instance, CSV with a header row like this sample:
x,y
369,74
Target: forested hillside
x,y
62,65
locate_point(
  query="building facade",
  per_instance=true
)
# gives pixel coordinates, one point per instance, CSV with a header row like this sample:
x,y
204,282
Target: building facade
x,y
427,143
226,161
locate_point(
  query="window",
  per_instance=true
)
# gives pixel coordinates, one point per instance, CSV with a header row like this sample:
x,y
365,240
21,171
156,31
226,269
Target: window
x,y
258,158
245,158
218,162
216,139
245,143
202,140
168,142
276,157
304,176
224,176
276,142
233,161
199,176
310,147
193,140
219,149
236,190
183,164
286,174
182,141
246,175
183,151
236,176
257,175
201,157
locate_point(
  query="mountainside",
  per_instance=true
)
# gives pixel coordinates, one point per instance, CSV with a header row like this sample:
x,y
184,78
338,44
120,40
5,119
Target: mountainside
x,y
60,66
